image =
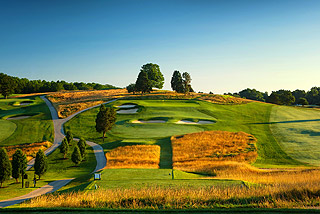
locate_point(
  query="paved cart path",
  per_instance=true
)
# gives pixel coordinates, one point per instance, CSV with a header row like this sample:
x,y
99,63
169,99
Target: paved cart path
x,y
58,137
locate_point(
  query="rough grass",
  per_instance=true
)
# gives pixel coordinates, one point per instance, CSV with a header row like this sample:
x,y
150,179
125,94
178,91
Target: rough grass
x,y
37,128
138,156
298,132
198,151
7,128
29,149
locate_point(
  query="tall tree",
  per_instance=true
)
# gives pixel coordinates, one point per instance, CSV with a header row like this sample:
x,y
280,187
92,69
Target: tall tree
x,y
76,155
299,94
106,118
303,101
82,147
177,82
252,94
7,85
154,75
5,166
41,164
143,83
186,82
131,88
19,164
69,137
64,147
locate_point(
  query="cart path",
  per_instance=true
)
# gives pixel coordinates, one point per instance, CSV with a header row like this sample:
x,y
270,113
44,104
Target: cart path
x,y
58,137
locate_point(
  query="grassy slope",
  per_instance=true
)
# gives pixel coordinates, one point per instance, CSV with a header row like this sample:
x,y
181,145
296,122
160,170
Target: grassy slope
x,y
34,129
7,128
252,118
58,168
298,132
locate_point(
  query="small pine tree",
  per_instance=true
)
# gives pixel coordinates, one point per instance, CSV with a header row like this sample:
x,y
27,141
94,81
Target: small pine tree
x,y
19,164
76,155
5,166
69,137
82,146
64,147
40,165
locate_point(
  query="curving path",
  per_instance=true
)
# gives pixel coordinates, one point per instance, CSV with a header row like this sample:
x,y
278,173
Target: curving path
x,y
58,137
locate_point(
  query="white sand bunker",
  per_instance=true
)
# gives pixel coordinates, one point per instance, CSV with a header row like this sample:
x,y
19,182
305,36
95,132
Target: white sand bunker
x,y
200,122
128,111
25,103
148,121
18,118
127,106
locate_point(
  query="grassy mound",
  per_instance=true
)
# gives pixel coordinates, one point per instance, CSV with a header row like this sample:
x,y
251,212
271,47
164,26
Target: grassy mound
x,y
7,128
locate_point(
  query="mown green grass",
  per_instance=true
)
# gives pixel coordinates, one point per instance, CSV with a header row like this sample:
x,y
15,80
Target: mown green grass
x,y
7,128
58,168
252,118
37,128
298,132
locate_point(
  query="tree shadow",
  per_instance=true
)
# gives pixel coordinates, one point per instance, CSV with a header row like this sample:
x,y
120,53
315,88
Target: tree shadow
x,y
165,153
291,121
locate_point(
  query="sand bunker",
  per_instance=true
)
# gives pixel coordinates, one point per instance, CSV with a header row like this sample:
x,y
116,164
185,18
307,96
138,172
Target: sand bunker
x,y
18,118
148,121
128,111
127,106
25,103
200,122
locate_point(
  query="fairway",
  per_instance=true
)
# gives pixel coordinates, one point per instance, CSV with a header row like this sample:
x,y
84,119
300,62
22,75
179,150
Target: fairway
x,y
298,132
252,118
7,128
38,127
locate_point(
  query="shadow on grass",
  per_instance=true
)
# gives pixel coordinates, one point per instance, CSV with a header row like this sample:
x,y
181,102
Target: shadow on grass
x,y
291,121
165,153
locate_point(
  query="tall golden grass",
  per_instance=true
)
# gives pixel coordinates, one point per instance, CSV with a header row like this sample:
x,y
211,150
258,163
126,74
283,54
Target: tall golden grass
x,y
29,149
138,156
197,152
223,99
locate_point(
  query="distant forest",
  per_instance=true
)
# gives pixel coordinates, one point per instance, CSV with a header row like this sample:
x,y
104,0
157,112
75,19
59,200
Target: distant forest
x,y
14,85
282,97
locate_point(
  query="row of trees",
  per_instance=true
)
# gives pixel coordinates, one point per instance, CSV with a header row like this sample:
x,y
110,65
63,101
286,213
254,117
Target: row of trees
x,y
283,97
79,152
151,77
17,167
10,85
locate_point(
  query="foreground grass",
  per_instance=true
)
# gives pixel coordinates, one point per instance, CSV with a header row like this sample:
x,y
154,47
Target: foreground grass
x,y
298,132
252,118
37,128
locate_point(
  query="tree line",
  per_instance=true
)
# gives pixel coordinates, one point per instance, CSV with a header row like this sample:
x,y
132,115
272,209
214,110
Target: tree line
x,y
282,97
151,77
15,85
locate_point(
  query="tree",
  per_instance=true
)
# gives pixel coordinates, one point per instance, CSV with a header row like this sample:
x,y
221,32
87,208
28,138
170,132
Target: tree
x,y
76,155
281,97
274,98
5,166
313,96
69,137
7,85
40,165
299,94
303,101
106,118
64,147
19,164
252,94
82,147
177,82
131,88
186,82
154,75
143,83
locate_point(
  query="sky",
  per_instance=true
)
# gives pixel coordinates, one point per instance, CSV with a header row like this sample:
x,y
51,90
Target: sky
x,y
225,45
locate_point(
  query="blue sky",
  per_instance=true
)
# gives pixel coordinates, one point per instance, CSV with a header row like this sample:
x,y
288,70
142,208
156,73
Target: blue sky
x,y
225,45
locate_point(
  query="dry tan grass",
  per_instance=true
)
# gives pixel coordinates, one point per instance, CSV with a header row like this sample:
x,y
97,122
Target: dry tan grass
x,y
224,99
138,156
29,149
196,152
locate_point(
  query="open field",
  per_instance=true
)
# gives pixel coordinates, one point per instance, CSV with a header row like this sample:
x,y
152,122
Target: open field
x,y
298,132
252,118
138,156
37,128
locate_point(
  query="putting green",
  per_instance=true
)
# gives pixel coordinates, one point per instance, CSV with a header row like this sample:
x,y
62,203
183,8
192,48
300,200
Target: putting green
x,y
7,128
298,132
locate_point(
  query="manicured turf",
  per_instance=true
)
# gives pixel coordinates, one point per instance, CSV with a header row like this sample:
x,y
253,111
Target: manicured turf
x,y
298,132
37,128
7,128
252,118
58,168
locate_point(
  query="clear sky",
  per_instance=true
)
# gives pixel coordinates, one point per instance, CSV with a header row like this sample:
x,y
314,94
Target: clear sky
x,y
225,45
